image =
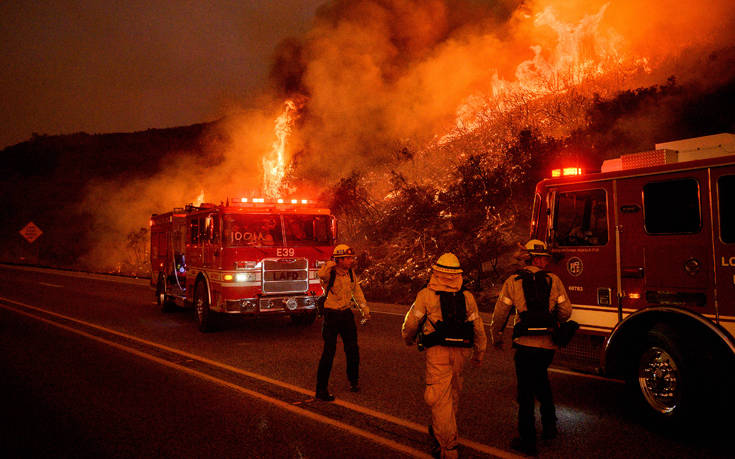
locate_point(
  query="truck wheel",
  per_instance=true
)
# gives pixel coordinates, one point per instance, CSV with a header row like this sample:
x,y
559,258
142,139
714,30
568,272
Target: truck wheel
x,y
163,300
663,378
201,307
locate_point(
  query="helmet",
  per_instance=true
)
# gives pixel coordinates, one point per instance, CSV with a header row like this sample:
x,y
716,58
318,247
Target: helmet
x,y
447,263
343,250
537,248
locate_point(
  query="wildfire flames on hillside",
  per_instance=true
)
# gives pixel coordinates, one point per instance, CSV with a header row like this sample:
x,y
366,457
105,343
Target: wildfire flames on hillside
x,y
385,102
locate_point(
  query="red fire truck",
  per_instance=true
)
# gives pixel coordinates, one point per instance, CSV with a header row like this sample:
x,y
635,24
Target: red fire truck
x,y
646,249
249,257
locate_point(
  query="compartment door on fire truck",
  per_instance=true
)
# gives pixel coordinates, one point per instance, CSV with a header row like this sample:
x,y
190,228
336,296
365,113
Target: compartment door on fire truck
x,y
723,196
584,252
665,241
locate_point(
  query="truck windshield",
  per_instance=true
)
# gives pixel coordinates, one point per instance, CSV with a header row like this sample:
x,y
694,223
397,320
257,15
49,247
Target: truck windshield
x,y
307,229
252,230
267,230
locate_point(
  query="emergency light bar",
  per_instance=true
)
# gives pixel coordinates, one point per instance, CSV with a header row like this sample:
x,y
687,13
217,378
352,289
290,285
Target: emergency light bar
x,y
278,201
566,171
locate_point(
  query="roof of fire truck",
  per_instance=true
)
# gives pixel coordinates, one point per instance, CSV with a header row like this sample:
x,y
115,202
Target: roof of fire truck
x,y
249,206
685,154
294,206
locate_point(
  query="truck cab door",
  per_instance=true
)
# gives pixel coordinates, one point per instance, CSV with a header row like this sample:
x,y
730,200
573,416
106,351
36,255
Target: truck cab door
x,y
665,241
723,198
583,248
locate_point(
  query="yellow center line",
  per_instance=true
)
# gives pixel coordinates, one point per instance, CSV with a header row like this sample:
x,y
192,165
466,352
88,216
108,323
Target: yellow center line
x,y
279,403
354,407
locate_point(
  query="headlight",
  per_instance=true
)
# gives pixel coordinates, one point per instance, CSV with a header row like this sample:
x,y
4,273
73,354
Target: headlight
x,y
245,277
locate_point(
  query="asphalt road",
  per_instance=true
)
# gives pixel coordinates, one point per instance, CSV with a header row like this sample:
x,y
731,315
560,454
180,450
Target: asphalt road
x,y
92,368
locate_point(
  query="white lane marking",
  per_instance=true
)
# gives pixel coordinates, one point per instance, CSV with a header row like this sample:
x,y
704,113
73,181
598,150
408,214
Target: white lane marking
x,y
279,403
51,285
360,409
83,275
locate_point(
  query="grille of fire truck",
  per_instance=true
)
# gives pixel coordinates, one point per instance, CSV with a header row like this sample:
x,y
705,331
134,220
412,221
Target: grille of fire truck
x,y
285,276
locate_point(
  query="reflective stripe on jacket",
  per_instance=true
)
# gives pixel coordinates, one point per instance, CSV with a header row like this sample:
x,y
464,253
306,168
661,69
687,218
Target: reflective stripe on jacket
x,y
427,301
343,290
512,295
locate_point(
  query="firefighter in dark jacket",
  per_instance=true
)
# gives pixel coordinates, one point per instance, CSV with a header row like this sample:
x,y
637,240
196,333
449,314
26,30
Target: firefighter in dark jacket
x,y
435,310
339,320
548,301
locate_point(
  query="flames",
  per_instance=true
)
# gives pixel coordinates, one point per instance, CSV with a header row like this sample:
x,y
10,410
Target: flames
x,y
372,89
585,59
199,199
275,163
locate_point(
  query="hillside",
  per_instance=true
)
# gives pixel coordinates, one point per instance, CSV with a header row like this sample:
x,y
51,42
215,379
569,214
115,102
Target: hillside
x,y
467,195
45,180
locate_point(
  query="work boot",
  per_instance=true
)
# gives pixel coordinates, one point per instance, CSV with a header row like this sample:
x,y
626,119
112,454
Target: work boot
x,y
324,395
524,446
354,386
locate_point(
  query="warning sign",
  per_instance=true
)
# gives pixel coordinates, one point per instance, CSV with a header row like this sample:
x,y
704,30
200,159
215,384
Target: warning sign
x,y
31,232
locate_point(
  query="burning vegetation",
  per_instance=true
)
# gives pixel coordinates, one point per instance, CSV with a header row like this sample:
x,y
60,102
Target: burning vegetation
x,y
425,124
429,122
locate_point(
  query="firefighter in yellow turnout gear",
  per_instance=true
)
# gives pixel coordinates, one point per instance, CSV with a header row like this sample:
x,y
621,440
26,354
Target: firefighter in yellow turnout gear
x,y
339,319
447,346
533,344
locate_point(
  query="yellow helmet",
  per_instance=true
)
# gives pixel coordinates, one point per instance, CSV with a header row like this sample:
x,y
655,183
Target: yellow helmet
x,y
537,248
447,263
343,250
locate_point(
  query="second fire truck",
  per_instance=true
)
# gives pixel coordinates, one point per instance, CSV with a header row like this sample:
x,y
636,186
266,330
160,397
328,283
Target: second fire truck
x,y
646,248
249,257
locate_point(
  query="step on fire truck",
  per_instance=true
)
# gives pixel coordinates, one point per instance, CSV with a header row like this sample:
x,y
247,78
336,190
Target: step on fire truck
x,y
249,257
646,249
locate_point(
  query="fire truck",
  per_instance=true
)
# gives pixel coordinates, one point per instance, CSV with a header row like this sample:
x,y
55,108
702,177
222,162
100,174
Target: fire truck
x,y
646,250
250,257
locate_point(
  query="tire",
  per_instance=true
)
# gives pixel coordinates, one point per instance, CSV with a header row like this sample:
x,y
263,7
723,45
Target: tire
x,y
203,313
664,379
163,300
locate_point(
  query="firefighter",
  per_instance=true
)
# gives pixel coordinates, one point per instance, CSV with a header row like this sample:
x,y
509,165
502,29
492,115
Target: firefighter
x,y
339,320
539,298
446,316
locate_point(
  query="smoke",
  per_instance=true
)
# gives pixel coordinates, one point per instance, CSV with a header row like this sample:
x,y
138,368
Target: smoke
x,y
228,166
383,74
378,78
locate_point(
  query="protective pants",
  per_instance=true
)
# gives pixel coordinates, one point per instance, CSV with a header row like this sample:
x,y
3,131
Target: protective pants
x,y
443,384
338,323
532,364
